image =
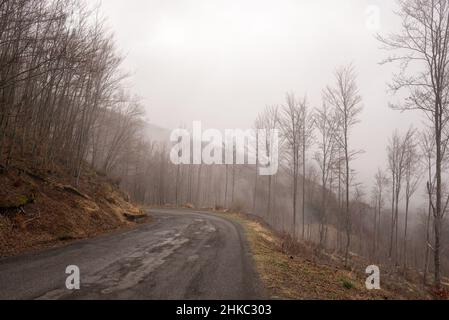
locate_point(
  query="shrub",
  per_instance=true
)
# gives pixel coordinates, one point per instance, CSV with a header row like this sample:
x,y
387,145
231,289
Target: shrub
x,y
347,284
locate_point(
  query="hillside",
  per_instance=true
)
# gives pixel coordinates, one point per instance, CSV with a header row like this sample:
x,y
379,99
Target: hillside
x,y
299,271
40,209
153,132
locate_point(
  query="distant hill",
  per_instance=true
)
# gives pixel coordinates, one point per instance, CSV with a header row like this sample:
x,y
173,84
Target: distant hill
x,y
155,133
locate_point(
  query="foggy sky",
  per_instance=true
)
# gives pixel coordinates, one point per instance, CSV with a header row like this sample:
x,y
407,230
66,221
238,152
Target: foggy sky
x,y
222,61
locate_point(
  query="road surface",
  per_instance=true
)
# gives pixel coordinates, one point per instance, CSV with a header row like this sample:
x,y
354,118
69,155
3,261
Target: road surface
x,y
180,255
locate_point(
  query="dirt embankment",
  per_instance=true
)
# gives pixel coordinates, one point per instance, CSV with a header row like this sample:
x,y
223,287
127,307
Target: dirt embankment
x,y
40,209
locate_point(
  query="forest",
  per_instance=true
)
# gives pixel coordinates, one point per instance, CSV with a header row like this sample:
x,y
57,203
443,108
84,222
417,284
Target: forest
x,y
65,102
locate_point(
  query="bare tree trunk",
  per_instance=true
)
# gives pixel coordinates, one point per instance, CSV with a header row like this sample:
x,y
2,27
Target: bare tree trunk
x,y
426,256
226,188
405,232
375,231
347,212
438,210
304,175
256,173
177,185
198,187
390,255
233,185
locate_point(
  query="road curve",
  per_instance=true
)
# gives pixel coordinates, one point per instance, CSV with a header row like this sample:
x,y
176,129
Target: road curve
x,y
180,255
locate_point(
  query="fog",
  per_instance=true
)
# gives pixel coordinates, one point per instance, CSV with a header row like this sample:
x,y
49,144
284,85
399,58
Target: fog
x,y
94,150
222,62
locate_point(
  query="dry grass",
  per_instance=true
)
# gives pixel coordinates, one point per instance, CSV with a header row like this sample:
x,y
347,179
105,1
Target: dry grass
x,y
290,270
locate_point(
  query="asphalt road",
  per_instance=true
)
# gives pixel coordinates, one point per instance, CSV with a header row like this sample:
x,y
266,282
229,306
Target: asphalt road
x,y
180,255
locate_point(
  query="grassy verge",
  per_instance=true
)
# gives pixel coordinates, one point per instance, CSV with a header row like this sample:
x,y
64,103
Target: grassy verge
x,y
297,273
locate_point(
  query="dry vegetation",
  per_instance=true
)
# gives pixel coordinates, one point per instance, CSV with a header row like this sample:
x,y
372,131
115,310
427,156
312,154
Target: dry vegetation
x,y
292,270
42,209
64,115
64,104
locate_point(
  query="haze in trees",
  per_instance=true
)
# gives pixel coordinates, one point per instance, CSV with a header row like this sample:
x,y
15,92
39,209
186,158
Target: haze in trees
x,y
362,170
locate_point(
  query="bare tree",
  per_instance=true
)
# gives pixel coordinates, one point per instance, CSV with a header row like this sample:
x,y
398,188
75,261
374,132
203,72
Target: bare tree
x,y
291,123
345,97
422,44
427,146
269,121
397,158
306,141
412,178
256,167
380,184
326,125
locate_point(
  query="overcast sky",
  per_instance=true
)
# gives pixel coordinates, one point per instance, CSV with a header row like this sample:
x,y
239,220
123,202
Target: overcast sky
x,y
223,61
